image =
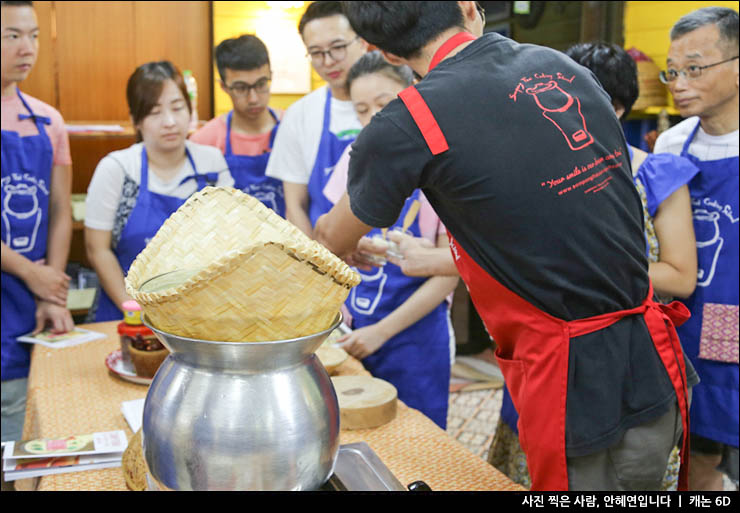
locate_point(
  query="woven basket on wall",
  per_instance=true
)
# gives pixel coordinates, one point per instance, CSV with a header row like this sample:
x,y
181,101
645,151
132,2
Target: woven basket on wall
x,y
229,269
653,93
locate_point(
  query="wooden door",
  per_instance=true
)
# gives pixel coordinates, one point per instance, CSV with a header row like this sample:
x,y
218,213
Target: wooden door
x,y
96,54
179,32
41,82
88,50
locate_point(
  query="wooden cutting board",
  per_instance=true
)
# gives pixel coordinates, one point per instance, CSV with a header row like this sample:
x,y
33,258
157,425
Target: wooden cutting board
x,y
364,401
331,357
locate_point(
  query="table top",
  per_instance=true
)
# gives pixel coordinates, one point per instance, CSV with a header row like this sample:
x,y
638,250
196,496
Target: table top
x,y
71,391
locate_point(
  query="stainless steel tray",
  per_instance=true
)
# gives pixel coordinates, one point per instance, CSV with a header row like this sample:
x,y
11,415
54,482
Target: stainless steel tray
x,y
358,468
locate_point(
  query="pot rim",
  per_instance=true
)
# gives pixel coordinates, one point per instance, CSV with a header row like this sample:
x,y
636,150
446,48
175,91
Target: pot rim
x,y
335,325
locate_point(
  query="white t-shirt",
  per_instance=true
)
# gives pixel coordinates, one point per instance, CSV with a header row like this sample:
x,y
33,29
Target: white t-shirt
x,y
703,147
297,139
106,187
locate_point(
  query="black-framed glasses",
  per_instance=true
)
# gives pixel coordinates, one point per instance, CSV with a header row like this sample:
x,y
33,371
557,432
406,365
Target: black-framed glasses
x,y
262,86
689,72
337,53
482,12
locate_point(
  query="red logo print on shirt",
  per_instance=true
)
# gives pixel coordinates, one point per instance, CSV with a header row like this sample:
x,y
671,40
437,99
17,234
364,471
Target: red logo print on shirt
x,y
558,106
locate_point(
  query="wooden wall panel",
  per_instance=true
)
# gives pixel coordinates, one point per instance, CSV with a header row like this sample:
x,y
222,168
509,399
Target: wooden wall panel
x,y
181,33
88,50
95,58
41,82
88,150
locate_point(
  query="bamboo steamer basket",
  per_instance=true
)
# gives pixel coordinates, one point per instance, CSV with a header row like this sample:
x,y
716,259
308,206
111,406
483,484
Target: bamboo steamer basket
x,y
226,268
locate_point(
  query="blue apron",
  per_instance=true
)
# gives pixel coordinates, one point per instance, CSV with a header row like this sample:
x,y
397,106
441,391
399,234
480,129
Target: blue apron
x,y
249,172
26,179
714,198
417,360
149,214
330,150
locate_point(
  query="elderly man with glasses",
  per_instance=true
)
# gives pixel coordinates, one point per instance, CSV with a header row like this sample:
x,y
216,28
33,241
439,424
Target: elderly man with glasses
x,y
702,76
317,128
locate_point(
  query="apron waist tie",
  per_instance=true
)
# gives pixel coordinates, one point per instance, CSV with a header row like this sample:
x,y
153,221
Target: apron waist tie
x,y
661,320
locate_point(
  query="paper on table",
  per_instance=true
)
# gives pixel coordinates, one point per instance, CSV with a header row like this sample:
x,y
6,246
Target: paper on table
x,y
95,443
25,468
71,338
133,411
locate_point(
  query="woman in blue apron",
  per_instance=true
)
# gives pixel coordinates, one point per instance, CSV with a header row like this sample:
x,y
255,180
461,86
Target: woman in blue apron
x,y
417,360
160,110
150,212
249,172
331,148
714,303
26,164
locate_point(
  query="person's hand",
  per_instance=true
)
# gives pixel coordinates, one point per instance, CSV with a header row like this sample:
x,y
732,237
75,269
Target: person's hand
x,y
363,342
367,253
56,318
48,283
416,252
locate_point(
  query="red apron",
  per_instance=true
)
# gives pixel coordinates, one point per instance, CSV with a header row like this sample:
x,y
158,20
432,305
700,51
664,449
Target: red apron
x,y
533,346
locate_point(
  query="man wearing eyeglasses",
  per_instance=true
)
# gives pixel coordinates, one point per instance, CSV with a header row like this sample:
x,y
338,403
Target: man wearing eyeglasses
x,y
317,128
702,76
246,134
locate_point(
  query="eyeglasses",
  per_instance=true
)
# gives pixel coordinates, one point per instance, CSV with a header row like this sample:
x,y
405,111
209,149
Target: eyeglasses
x,y
336,52
689,72
481,11
262,86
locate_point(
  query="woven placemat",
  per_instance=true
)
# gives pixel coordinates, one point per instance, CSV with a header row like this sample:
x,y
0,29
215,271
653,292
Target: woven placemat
x,y
72,392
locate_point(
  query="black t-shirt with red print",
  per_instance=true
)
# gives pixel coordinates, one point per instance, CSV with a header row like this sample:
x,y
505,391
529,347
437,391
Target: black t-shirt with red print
x,y
537,188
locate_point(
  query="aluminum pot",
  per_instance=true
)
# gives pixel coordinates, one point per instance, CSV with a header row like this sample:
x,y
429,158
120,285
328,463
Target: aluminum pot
x,y
241,416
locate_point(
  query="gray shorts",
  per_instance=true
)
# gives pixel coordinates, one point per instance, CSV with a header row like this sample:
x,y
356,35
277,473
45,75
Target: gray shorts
x,y
637,463
13,408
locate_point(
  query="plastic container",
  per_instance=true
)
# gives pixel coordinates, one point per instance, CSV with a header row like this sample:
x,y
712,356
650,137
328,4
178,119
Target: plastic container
x,y
132,334
192,86
132,313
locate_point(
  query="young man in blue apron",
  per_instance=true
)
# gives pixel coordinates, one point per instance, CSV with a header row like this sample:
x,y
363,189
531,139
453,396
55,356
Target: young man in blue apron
x,y
317,128
36,213
246,134
702,75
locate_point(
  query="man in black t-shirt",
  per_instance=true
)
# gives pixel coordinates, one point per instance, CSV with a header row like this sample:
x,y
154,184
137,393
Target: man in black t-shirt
x,y
520,153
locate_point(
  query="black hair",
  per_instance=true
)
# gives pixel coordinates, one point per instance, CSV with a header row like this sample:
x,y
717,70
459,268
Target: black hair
x,y
317,10
726,20
615,69
373,62
145,86
243,53
402,28
18,3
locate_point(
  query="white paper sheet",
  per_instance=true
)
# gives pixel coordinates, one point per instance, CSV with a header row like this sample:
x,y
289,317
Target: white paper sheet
x,y
133,412
72,338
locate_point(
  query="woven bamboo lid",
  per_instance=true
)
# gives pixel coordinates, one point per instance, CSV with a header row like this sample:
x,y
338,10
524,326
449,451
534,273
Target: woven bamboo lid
x,y
225,267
